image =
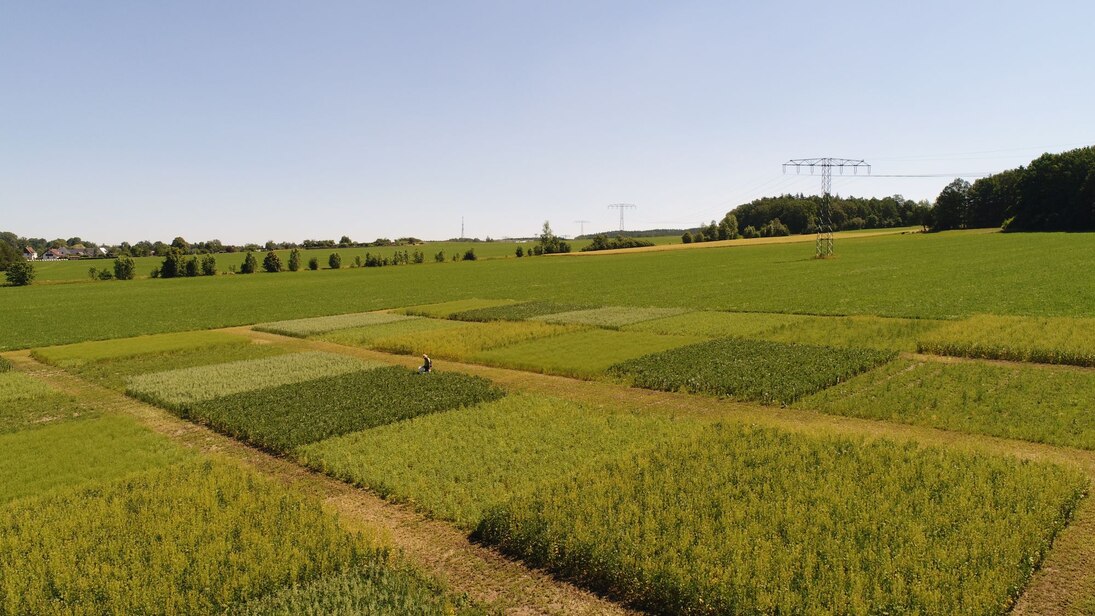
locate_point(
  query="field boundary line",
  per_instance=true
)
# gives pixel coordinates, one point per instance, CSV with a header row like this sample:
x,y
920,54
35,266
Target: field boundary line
x,y
435,547
961,359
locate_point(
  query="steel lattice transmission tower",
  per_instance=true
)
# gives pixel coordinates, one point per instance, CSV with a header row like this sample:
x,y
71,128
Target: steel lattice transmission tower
x,y
583,223
824,243
622,207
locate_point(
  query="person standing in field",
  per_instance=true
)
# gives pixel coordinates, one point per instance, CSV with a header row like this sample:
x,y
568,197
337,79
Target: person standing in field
x,y
427,365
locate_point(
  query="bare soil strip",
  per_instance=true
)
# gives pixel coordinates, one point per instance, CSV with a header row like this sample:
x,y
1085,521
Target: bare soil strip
x,y
436,547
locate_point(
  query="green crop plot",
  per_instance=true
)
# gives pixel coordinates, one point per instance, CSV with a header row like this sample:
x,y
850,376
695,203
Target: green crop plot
x,y
5,365
768,372
180,388
855,331
366,336
115,372
303,328
613,317
285,417
458,464
468,338
194,538
74,452
757,521
444,309
1044,340
583,354
27,402
1044,404
515,312
83,352
717,324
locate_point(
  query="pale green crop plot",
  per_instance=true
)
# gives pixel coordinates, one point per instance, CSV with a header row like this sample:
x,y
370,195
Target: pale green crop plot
x,y
582,354
855,331
515,312
303,328
759,521
42,459
444,309
458,464
612,317
466,339
712,324
179,388
27,402
1045,404
366,336
193,538
1048,340
83,352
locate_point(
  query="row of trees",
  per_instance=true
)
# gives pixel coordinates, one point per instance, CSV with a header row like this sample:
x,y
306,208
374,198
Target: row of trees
x,y
798,213
1055,193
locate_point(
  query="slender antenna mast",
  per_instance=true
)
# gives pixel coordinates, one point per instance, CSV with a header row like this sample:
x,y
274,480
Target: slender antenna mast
x,y
583,223
824,242
622,207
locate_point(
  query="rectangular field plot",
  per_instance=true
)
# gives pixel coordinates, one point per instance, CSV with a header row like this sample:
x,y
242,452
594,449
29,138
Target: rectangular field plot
x,y
444,309
855,331
194,538
583,354
82,352
467,338
366,336
26,402
1045,404
177,389
769,372
710,324
458,464
1051,340
302,328
285,417
74,452
516,312
612,317
756,521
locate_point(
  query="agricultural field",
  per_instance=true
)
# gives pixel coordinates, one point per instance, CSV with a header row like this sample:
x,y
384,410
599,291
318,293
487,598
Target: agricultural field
x,y
1043,340
610,317
718,324
26,402
515,312
367,335
467,339
444,309
1044,404
716,525
767,372
88,352
303,328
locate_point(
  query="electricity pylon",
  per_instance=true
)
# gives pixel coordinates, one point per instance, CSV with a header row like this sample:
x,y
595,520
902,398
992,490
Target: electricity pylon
x,y
824,242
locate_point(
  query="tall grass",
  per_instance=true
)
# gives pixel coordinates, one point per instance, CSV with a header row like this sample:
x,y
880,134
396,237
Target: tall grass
x,y
1044,404
83,352
755,521
303,328
612,317
458,464
467,339
5,365
177,388
1058,340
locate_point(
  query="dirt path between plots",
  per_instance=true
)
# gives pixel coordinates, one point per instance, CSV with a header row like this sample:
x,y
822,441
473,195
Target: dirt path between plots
x,y
436,547
1067,576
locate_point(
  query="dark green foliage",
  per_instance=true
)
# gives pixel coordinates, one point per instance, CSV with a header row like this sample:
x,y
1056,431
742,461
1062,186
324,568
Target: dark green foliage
x,y
686,237
769,372
601,242
520,252
515,312
334,261
5,365
439,257
313,264
728,227
250,264
951,206
774,228
294,260
9,255
469,255
209,265
191,267
271,262
992,200
105,274
124,268
799,212
172,266
282,418
20,273
750,232
1057,193
550,243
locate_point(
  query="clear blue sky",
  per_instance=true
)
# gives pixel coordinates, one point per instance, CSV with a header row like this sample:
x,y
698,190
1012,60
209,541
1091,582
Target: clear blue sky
x,y
251,121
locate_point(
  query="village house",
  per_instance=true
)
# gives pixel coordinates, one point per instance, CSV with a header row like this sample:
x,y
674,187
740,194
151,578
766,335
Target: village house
x,y
30,254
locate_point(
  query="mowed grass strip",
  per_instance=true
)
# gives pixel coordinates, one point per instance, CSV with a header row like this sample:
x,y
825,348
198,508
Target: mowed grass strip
x,y
83,352
582,354
285,417
1047,340
711,324
1045,404
194,538
515,312
74,452
366,336
179,388
456,465
758,370
745,520
443,310
468,338
302,328
612,317
27,402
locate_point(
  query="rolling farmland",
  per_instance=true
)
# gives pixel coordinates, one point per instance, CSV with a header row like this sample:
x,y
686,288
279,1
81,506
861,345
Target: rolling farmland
x,y
686,431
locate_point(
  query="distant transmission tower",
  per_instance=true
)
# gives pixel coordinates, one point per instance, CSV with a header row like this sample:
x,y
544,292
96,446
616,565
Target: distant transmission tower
x,y
622,207
461,227
824,243
583,223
